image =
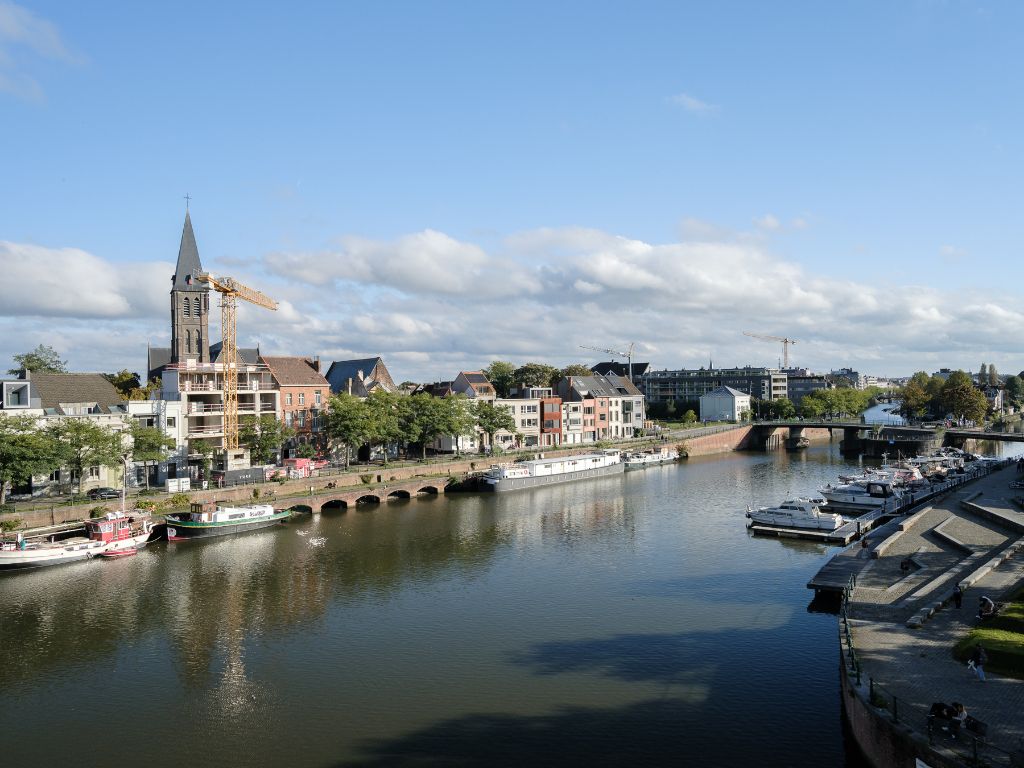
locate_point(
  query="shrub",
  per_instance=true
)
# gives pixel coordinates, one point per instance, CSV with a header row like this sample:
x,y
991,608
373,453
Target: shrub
x,y
255,493
179,501
10,524
367,479
97,512
684,450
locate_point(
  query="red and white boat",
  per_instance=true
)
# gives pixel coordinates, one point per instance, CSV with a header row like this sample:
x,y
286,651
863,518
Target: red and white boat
x,y
113,535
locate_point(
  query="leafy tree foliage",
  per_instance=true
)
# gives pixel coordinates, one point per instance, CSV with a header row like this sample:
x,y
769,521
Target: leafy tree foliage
x,y
82,443
148,444
1015,390
24,451
535,375
493,418
501,374
384,414
263,436
124,381
575,369
983,374
347,423
963,400
43,359
426,418
993,375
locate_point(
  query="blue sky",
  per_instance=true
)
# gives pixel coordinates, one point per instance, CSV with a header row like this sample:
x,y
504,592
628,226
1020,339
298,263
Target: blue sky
x,y
449,183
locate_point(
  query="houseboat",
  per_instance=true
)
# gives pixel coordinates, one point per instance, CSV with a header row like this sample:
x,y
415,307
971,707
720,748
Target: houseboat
x,y
564,469
653,457
209,518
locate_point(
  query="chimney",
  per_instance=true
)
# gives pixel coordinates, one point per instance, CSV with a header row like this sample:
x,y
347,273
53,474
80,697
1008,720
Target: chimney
x,y
316,363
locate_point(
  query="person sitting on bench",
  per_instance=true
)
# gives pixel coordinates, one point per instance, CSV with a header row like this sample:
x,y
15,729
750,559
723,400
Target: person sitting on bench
x,y
986,608
959,717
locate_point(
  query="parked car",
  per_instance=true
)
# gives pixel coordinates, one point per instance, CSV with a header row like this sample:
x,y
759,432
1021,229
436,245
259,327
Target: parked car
x,y
103,493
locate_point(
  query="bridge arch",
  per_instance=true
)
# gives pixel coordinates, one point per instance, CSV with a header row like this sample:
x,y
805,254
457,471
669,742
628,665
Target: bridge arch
x,y
369,498
429,490
334,505
399,494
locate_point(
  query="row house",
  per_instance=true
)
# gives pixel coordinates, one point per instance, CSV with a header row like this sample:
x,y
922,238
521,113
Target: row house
x,y
612,406
303,393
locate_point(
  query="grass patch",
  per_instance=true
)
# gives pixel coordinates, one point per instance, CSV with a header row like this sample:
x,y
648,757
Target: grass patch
x,y
1003,638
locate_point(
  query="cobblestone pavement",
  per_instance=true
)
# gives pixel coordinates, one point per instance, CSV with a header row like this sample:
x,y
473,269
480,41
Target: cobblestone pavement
x,y
916,666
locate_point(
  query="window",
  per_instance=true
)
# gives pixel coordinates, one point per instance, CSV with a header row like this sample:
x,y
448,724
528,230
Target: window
x,y
188,338
199,342
288,399
302,398
316,398
288,415
94,473
302,419
55,476
195,307
186,307
171,421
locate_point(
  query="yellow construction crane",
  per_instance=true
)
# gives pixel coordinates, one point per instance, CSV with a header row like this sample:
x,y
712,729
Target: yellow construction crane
x,y
785,344
627,354
230,290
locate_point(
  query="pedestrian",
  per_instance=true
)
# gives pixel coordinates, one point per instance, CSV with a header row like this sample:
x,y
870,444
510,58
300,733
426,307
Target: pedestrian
x,y
977,661
959,717
958,596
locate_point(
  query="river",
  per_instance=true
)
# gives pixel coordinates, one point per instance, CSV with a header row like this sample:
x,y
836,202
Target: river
x,y
629,620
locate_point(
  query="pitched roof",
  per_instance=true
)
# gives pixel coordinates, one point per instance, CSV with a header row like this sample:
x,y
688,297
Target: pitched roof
x,y
295,372
723,390
188,266
246,356
604,386
56,388
342,370
620,369
157,359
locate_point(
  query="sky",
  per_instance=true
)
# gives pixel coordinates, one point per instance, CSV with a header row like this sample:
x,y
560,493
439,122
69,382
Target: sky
x,y
449,183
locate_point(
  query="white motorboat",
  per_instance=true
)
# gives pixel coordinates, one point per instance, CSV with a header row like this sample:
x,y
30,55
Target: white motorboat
x,y
653,457
113,533
797,513
862,494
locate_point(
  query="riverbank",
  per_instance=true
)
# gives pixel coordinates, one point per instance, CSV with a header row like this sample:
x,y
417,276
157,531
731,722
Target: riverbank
x,y
899,629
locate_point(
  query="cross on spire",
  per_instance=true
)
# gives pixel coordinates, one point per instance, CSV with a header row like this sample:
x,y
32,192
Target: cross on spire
x,y
187,198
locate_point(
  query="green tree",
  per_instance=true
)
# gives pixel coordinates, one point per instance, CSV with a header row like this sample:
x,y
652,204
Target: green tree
x,y
346,423
535,375
25,451
782,408
124,382
915,397
263,436
83,443
149,444
428,418
689,417
962,399
1015,390
42,359
993,376
493,418
983,374
384,412
501,376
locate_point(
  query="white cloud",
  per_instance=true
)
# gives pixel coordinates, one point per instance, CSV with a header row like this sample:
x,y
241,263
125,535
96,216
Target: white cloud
x,y
692,104
432,305
768,222
22,30
951,254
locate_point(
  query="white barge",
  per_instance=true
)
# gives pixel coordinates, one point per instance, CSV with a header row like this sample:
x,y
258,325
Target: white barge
x,y
563,469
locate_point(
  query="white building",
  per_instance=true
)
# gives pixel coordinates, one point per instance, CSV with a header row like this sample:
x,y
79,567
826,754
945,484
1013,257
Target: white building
x,y
724,404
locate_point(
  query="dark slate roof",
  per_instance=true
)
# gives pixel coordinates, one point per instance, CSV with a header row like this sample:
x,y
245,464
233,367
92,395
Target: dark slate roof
x,y
158,358
727,391
247,356
435,388
620,369
188,267
475,378
605,386
342,370
56,388
295,372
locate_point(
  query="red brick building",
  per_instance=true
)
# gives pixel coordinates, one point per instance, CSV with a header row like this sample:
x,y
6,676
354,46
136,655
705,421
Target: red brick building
x,y
304,395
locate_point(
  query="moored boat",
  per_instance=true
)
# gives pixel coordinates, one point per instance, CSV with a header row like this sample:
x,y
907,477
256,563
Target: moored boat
x,y
650,458
209,518
564,469
797,513
114,532
861,494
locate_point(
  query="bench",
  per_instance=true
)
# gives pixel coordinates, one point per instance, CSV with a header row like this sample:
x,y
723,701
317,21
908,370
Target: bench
x,y
941,716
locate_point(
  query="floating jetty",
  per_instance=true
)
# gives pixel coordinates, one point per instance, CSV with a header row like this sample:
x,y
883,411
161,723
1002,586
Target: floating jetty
x,y
841,535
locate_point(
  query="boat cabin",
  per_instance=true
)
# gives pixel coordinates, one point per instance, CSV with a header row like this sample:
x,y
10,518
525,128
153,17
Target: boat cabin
x,y
114,526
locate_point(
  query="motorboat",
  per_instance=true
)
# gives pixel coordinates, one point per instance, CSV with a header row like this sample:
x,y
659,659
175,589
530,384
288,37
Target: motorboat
x,y
865,494
115,532
797,513
653,457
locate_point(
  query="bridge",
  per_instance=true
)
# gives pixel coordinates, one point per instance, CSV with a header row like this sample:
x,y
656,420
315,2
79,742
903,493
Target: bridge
x,y
349,497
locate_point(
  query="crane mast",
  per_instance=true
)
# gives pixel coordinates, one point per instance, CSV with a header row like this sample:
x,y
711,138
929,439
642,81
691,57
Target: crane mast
x,y
786,341
627,354
230,291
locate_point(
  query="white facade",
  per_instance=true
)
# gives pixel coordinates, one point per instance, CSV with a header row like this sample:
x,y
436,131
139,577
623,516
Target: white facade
x,y
724,404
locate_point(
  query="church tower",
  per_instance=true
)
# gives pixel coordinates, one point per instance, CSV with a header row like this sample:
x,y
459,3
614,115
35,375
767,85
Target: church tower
x,y
190,303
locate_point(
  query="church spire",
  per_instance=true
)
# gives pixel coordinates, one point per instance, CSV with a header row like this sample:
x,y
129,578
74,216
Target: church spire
x,y
189,267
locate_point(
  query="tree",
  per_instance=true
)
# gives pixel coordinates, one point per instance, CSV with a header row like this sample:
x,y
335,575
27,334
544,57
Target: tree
x,y
689,417
493,418
782,408
42,359
24,451
263,436
1015,389
962,399
993,375
983,374
384,419
149,444
346,423
535,375
914,404
430,417
124,381
82,443
500,374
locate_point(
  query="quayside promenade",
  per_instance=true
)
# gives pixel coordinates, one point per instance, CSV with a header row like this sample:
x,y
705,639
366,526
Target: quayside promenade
x,y
899,627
